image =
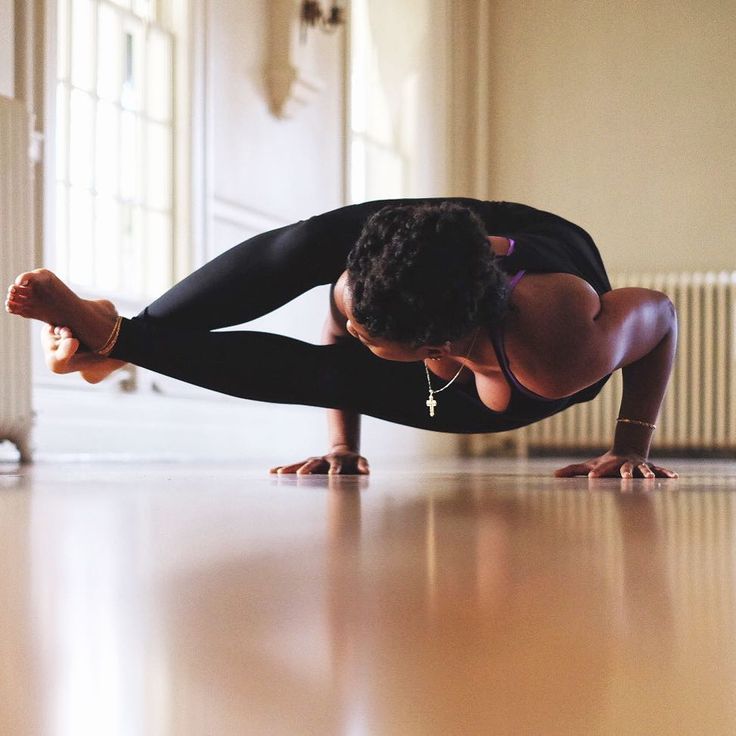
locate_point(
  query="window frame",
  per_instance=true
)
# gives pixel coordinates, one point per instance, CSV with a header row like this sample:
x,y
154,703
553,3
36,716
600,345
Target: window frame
x,y
186,22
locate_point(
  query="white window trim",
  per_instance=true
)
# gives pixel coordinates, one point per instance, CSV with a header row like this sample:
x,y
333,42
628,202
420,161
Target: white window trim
x,y
189,147
191,175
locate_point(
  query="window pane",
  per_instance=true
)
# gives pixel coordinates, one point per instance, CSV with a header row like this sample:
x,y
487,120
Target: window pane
x,y
62,132
107,151
62,39
145,9
384,174
110,53
83,32
133,65
159,88
370,111
158,166
131,261
114,145
81,130
62,235
357,170
80,236
130,158
158,257
107,243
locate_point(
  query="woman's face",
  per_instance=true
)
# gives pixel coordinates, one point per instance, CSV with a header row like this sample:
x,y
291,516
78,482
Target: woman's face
x,y
389,349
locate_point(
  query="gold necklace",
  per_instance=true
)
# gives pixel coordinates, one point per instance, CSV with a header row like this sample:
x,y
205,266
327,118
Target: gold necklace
x,y
431,401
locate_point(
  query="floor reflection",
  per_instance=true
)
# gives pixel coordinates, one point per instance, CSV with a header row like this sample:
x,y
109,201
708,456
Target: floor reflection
x,y
188,602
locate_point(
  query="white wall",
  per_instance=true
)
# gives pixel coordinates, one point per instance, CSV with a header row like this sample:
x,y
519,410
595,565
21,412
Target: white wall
x,y
399,98
620,116
266,172
254,172
7,48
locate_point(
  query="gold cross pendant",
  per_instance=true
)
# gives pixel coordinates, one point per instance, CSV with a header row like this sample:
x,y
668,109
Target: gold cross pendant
x,y
431,403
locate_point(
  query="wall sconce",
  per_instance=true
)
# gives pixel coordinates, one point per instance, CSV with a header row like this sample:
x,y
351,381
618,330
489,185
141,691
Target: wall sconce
x,y
292,70
312,15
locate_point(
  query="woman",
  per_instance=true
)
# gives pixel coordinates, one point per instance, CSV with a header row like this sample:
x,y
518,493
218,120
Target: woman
x,y
428,315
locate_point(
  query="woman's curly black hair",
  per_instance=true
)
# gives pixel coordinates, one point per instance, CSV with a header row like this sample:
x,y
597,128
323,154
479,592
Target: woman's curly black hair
x,y
425,274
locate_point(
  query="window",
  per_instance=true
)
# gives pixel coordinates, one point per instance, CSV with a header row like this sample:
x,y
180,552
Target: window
x,y
115,146
399,66
377,164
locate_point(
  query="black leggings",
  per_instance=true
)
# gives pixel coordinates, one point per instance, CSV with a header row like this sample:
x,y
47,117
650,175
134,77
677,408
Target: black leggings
x,y
173,336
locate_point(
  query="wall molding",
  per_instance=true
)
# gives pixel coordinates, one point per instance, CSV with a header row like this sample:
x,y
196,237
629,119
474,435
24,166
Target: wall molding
x,y
468,120
292,82
241,214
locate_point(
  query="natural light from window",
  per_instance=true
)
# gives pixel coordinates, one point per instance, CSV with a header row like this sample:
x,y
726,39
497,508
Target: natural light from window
x,y
114,146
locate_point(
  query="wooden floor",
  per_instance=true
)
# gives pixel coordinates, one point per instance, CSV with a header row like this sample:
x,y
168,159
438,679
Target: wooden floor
x,y
483,598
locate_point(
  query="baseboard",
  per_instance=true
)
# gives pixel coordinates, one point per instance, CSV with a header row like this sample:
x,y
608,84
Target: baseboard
x,y
74,422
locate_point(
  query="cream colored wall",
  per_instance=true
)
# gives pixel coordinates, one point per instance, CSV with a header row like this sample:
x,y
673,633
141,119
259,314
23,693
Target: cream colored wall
x,y
620,116
399,97
252,172
264,172
6,48
285,169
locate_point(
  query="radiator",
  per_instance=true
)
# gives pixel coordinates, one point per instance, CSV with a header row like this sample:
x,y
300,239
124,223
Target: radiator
x,y
16,255
699,409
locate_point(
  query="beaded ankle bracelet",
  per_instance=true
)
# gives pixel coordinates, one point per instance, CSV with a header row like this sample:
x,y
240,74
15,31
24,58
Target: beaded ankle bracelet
x,y
637,421
106,349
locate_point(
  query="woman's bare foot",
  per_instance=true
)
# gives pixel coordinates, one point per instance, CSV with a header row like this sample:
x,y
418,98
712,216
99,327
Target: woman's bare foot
x,y
63,355
41,295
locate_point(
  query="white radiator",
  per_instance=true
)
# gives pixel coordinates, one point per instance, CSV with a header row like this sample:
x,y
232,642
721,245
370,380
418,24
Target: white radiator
x,y
16,255
699,409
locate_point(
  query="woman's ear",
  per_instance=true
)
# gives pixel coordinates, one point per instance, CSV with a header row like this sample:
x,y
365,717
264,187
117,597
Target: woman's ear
x,y
435,352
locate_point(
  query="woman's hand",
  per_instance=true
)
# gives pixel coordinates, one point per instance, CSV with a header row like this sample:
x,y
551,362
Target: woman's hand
x,y
338,462
613,465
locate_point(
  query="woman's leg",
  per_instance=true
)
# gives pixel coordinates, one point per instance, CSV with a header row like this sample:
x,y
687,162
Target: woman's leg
x,y
277,369
256,365
245,282
250,279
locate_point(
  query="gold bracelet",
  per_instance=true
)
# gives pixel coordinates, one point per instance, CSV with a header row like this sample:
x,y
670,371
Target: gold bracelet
x,y
106,349
637,421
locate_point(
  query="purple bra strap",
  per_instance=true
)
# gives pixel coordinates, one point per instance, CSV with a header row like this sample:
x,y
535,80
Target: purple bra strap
x,y
497,339
515,279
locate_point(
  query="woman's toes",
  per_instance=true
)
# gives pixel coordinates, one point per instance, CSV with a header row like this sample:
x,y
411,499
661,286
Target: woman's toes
x,y
67,348
15,308
23,279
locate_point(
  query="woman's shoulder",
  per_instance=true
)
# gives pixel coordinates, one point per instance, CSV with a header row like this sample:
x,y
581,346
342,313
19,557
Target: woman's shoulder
x,y
337,296
548,325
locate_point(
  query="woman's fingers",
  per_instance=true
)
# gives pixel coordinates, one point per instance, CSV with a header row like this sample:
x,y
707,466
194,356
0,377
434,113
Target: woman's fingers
x,y
312,466
329,464
612,468
663,472
627,470
571,470
645,470
288,468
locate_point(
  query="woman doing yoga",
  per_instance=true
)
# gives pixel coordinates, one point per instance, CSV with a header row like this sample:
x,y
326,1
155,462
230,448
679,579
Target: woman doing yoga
x,y
432,323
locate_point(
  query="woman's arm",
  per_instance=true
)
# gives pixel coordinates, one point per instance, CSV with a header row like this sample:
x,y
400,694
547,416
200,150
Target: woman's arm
x,y
636,330
343,425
